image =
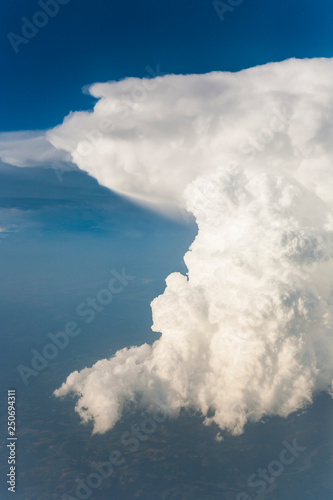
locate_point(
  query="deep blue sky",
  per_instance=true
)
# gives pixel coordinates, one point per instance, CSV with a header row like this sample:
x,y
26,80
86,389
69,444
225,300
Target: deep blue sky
x,y
89,41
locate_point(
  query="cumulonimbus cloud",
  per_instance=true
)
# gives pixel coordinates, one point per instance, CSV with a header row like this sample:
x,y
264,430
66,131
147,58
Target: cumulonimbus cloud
x,y
248,331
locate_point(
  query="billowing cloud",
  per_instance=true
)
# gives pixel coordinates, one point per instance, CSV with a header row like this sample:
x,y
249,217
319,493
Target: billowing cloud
x,y
248,332
150,138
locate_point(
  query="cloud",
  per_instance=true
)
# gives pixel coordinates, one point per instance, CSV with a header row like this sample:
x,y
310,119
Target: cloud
x,y
150,138
13,220
28,149
248,332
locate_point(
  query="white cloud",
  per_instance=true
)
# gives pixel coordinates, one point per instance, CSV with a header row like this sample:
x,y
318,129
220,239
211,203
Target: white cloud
x,y
152,144
28,149
248,332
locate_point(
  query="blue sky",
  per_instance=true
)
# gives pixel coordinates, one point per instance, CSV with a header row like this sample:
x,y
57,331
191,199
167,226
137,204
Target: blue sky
x,y
87,42
64,235
95,41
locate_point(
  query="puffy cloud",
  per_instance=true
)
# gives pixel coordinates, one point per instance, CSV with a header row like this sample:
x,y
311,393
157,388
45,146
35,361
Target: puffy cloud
x,y
248,332
150,138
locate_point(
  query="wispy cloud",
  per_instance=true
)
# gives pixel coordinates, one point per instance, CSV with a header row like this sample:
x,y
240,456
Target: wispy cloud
x,y
28,148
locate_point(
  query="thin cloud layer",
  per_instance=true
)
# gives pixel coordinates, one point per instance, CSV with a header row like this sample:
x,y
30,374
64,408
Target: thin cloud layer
x,y
28,149
248,332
